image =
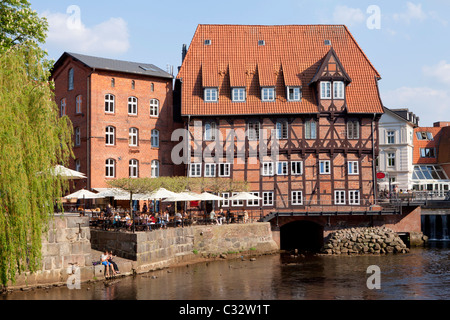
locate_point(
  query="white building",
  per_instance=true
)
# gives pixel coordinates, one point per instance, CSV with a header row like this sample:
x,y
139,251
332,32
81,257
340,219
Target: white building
x,y
396,128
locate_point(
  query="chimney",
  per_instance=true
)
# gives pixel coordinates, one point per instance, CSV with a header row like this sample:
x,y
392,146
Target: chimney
x,y
183,53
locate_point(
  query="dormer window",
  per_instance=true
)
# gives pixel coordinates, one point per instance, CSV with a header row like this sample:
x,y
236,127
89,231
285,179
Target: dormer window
x,y
338,90
268,94
207,42
211,95
238,95
325,90
294,94
261,43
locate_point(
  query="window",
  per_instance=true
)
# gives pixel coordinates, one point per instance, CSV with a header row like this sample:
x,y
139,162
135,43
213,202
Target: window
x,y
427,153
224,169
195,170
325,90
353,197
113,82
109,103
155,169
210,169
282,130
77,136
238,95
268,198
78,165
268,94
338,90
210,131
261,43
353,129
391,159
324,167
134,168
236,203
207,42
63,107
133,137
132,105
339,197
310,129
424,135
154,108
296,168
294,94
282,168
110,167
133,84
253,131
78,104
225,202
155,138
267,169
390,137
110,136
152,87
353,167
297,198
210,94
254,202
71,79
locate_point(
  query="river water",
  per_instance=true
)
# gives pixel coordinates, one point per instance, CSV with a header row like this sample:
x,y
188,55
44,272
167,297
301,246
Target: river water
x,y
424,273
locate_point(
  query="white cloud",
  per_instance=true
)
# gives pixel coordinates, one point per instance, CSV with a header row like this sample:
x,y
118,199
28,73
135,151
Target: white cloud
x,y
430,105
413,12
348,16
441,72
67,32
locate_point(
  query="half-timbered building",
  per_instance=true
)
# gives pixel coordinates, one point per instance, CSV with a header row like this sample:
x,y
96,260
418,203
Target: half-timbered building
x,y
293,110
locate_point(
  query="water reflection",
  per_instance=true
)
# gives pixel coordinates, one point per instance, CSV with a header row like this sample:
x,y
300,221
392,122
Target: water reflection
x,y
421,274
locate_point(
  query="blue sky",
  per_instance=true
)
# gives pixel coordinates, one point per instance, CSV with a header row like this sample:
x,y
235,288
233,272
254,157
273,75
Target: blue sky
x,y
408,44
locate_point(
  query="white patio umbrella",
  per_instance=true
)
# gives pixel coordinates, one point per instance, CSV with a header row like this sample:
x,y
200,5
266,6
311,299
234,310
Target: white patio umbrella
x,y
161,193
67,173
244,196
182,196
206,196
83,194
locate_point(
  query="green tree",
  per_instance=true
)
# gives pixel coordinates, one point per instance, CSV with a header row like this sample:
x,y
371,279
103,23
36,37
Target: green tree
x,y
33,139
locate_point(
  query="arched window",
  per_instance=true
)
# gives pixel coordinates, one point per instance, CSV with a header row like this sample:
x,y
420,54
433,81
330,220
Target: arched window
x,y
132,105
134,137
155,138
78,165
113,82
152,87
109,103
155,169
133,84
154,108
70,79
110,167
78,104
77,136
134,168
110,136
210,131
63,107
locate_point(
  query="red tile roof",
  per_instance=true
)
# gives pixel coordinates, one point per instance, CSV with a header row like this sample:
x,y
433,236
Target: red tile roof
x,y
290,56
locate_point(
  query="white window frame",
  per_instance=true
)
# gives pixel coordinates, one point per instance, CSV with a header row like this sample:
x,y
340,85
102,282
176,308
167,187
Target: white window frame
x,y
282,130
132,106
133,135
294,167
268,199
324,167
78,104
282,168
110,136
294,93
255,202
236,203
354,197
210,170
339,197
133,168
390,157
210,131
353,167
325,90
224,169
353,129
110,103
268,94
155,138
195,169
390,137
110,168
297,198
154,108
211,94
338,90
77,136
238,94
253,132
267,169
310,129
226,202
155,169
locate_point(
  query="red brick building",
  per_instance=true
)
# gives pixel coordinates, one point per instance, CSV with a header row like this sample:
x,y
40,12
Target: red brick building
x,y
122,115
310,89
